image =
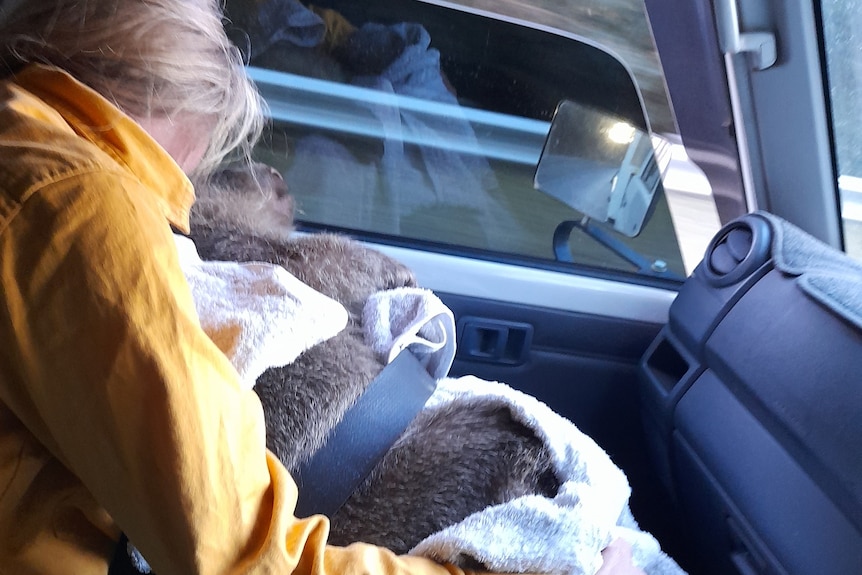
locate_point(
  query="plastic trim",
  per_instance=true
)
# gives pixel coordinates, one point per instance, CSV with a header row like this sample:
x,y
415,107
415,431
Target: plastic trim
x,y
536,287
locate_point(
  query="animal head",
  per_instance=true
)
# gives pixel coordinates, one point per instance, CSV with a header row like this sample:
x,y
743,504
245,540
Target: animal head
x,y
247,197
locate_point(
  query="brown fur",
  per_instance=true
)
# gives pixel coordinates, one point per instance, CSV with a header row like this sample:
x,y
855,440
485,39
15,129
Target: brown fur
x,y
449,463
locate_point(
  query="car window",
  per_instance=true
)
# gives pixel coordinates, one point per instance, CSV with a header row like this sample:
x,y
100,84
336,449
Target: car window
x,y
422,123
842,32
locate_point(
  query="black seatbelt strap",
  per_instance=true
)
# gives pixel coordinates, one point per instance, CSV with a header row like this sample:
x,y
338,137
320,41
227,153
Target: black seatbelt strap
x,y
126,560
363,436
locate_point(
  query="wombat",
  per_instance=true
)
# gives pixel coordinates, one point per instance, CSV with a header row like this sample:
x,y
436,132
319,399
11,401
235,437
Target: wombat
x,y
449,463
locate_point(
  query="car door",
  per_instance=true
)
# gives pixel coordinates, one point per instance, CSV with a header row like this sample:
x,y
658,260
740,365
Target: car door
x,y
417,127
790,70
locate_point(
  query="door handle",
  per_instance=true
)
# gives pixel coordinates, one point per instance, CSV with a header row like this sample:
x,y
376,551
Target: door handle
x,y
493,341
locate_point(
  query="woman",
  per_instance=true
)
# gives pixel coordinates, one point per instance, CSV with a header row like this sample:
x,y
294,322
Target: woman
x,y
117,413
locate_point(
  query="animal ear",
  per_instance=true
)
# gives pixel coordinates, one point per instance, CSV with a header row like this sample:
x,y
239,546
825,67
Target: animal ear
x,y
248,196
243,177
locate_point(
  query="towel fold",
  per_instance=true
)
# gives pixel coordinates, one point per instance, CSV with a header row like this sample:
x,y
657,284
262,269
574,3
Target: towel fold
x,y
414,319
258,314
534,534
285,21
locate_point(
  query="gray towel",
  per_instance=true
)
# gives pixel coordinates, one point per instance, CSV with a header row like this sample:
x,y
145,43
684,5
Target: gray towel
x,y
827,275
411,318
534,534
257,313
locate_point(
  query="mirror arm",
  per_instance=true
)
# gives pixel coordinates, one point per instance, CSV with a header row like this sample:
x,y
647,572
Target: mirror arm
x,y
563,254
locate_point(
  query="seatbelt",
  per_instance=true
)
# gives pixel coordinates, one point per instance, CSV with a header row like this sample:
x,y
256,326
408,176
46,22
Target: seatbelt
x,y
364,435
352,449
126,560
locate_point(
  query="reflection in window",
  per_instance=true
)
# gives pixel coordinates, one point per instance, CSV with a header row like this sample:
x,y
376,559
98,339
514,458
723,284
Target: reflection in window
x,y
419,121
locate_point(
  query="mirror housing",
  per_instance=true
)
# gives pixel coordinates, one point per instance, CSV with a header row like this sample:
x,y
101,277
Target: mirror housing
x,y
600,165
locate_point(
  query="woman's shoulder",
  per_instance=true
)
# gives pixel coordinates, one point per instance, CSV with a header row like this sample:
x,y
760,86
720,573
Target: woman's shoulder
x,y
37,150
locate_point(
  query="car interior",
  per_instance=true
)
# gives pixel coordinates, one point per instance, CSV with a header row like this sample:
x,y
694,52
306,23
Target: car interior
x,y
721,382
645,213
748,407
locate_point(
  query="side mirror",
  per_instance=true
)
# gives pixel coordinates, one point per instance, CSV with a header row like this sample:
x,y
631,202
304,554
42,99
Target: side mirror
x,y
600,165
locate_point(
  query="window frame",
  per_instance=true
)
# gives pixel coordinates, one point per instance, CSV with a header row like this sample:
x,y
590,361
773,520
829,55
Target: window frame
x,y
790,175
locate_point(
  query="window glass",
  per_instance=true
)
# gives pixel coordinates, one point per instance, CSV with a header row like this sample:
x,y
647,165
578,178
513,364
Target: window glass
x,y
424,122
842,31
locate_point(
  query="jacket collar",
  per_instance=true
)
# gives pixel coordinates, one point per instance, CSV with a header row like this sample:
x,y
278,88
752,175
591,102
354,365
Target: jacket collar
x,y
99,121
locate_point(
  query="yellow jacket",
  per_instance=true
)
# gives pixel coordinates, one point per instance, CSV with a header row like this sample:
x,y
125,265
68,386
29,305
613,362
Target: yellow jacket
x,y
116,410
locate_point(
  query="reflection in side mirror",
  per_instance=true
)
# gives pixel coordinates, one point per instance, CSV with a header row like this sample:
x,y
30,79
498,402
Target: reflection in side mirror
x,y
601,166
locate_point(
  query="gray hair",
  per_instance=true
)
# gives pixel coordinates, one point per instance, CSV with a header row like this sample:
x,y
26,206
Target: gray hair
x,y
168,58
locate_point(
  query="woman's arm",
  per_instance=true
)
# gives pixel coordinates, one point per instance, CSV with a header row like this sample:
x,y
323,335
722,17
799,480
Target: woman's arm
x,y
107,366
